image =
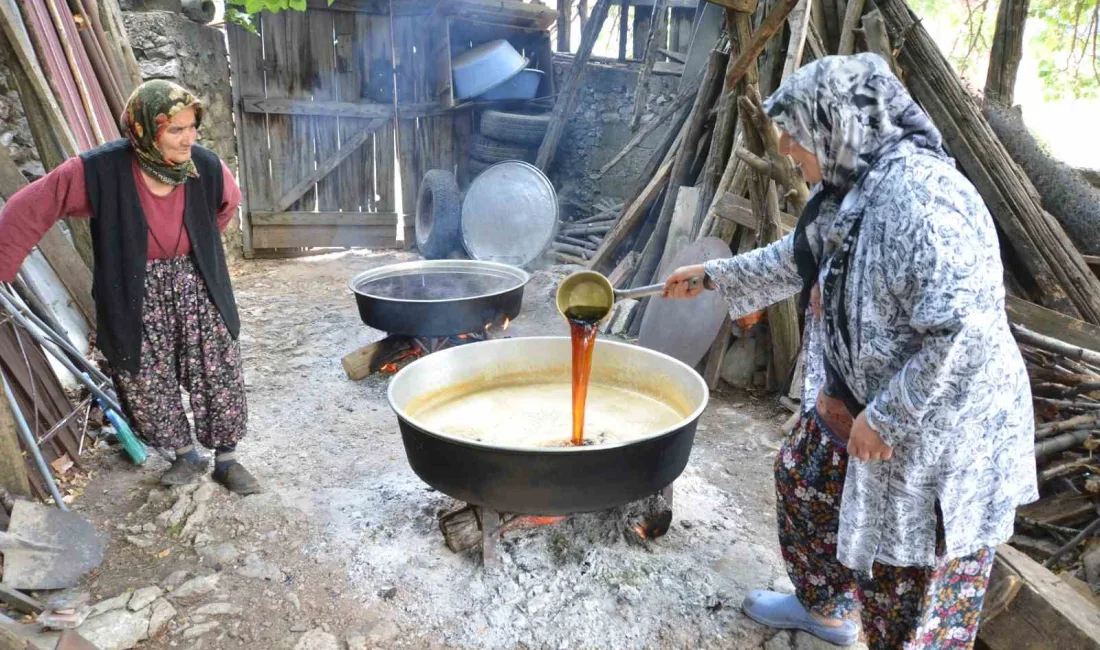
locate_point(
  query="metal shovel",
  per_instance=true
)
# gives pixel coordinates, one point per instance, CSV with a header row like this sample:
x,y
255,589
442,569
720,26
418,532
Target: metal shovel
x,y
46,548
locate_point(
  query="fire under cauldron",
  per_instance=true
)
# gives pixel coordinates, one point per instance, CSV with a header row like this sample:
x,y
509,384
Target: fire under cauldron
x,y
546,481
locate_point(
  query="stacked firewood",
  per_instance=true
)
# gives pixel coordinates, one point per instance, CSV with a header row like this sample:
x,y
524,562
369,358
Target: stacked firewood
x,y
578,240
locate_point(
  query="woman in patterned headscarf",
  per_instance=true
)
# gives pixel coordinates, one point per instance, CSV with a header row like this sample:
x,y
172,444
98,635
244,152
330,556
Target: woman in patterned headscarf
x,y
166,316
916,437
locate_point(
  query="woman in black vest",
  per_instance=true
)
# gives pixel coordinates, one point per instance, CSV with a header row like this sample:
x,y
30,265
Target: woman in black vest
x,y
166,316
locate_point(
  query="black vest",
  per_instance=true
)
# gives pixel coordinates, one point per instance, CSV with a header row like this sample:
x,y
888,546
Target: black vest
x,y
120,241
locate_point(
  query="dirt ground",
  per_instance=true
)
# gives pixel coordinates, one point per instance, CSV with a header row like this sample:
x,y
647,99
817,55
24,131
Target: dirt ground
x,y
343,549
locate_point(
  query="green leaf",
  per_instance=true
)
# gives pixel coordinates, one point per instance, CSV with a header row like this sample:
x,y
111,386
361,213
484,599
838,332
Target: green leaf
x,y
273,5
253,6
298,5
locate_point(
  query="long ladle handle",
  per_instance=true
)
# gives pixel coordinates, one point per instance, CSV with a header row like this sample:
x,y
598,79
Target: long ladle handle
x,y
658,289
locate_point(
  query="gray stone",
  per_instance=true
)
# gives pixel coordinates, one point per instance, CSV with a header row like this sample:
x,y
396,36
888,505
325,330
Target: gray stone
x,y
224,553
195,521
218,609
384,633
804,641
781,641
196,587
143,598
159,69
104,606
293,598
176,514
205,492
54,620
358,642
162,614
118,629
195,631
258,569
175,579
140,542
317,640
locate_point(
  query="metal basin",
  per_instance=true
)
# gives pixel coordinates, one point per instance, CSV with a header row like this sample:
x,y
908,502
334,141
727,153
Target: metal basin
x,y
440,297
547,481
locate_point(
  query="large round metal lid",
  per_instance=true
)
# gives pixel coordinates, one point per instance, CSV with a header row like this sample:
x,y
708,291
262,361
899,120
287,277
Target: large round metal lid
x,y
509,214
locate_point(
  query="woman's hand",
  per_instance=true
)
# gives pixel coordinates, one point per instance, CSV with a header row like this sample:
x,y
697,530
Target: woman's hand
x,y
865,444
680,285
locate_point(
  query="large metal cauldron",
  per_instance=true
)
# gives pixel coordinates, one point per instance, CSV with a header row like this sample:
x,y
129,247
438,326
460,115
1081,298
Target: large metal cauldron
x,y
547,481
438,298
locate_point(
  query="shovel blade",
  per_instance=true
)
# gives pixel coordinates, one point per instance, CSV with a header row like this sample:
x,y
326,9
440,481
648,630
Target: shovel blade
x,y
68,547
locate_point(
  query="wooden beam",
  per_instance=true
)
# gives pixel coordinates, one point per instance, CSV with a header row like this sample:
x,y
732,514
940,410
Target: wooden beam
x,y
641,89
1007,51
738,209
378,237
326,167
800,30
567,96
369,110
325,218
751,50
848,29
54,245
878,41
678,57
668,69
631,217
744,6
1044,612
565,12
1053,324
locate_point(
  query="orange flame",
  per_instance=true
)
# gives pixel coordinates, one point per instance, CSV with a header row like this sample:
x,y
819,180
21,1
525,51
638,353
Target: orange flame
x,y
395,365
533,521
507,322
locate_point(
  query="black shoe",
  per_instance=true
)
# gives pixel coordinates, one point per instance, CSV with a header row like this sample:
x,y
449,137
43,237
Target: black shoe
x,y
184,471
237,479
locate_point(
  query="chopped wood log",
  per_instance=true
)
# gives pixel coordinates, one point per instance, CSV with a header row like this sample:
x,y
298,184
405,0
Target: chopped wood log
x,y
595,240
1024,335
752,49
624,270
567,95
848,28
1065,510
587,230
573,241
641,88
461,529
366,360
632,216
1045,612
1053,324
783,168
692,131
1006,53
1072,544
1053,428
799,22
1063,442
874,32
1055,265
565,258
577,251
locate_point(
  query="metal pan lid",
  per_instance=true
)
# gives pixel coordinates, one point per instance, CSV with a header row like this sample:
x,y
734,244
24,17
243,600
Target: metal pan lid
x,y
509,214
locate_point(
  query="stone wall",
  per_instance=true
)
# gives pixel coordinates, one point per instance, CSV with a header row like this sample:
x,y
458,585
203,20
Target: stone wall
x,y
600,127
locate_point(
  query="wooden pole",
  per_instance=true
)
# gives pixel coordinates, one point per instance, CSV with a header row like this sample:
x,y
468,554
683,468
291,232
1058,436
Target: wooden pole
x,y
565,24
567,96
13,469
874,32
800,30
641,88
848,29
755,45
1007,50
624,27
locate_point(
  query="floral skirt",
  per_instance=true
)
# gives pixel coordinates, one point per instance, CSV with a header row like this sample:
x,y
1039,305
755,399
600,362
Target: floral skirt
x,y
185,346
901,608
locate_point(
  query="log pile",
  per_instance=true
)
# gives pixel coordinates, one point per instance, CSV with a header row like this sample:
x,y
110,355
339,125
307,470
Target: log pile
x,y
578,240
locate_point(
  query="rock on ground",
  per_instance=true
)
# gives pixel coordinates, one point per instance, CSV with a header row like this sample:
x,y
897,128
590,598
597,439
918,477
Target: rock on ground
x,y
196,587
118,629
161,616
218,609
104,606
195,631
143,597
224,553
357,642
317,639
257,569
175,579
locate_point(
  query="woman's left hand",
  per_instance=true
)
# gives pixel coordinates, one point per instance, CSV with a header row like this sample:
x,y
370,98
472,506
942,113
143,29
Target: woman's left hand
x,y
865,444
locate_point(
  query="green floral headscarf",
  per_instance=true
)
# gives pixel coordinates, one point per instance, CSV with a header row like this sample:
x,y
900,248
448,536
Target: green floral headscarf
x,y
148,112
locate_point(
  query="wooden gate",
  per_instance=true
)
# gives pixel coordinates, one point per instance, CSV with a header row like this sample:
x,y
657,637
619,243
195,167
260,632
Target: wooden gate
x,y
323,140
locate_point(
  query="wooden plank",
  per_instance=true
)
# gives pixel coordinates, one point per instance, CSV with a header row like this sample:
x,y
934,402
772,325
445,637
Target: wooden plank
x,y
19,601
383,155
325,129
280,138
13,471
631,217
301,154
716,357
234,34
852,15
325,218
291,195
744,6
567,97
508,12
671,4
678,57
563,26
252,141
799,21
54,245
352,177
738,209
1053,324
1045,612
409,155
379,237
751,50
624,28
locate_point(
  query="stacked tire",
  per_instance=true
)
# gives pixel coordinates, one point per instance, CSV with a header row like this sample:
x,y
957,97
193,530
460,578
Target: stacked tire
x,y
506,136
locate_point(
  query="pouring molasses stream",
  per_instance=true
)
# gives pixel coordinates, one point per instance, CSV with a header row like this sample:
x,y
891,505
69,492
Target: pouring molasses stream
x,y
585,298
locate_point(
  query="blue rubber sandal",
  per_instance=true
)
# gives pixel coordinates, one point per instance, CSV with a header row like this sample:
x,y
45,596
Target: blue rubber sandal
x,y
784,612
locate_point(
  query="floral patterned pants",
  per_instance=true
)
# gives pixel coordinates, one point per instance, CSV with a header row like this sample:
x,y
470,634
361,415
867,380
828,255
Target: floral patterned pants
x,y
902,608
185,345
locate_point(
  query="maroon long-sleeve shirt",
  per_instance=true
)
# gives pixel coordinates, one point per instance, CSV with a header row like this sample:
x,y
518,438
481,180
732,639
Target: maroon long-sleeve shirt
x,y
33,210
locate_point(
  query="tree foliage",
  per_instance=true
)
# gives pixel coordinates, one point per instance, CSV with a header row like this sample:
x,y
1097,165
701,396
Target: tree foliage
x,y
241,11
1061,37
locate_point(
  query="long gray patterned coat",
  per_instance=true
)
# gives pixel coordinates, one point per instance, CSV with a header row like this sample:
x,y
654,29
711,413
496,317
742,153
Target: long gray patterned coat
x,y
929,349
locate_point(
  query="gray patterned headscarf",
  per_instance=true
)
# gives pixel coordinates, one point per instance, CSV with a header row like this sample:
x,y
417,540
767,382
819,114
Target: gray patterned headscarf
x,y
849,111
